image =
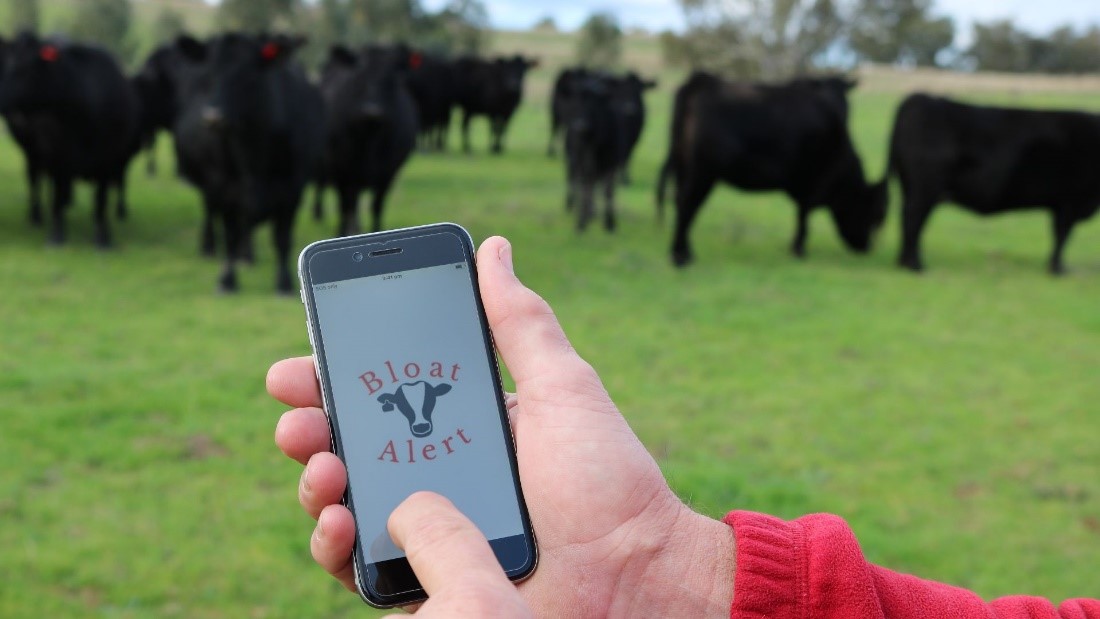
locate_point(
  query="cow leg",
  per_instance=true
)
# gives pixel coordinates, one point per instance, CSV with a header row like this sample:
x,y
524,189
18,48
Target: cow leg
x,y
34,187
609,200
318,201
1063,225
690,195
798,245
283,223
151,157
584,213
378,202
208,240
466,132
349,211
62,193
234,232
121,208
496,128
914,215
102,225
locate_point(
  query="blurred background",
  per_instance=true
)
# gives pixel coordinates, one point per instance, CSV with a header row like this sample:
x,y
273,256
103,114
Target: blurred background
x,y
952,417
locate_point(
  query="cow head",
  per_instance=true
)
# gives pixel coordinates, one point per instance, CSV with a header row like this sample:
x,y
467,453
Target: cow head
x,y
416,401
33,73
366,86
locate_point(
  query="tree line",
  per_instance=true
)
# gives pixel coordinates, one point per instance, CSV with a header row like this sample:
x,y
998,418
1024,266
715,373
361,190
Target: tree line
x,y
780,38
746,38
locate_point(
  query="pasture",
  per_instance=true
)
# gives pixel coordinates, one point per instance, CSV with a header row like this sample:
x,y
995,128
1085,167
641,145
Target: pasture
x,y
953,418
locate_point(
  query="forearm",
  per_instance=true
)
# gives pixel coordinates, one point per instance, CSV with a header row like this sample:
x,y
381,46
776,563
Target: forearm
x,y
813,567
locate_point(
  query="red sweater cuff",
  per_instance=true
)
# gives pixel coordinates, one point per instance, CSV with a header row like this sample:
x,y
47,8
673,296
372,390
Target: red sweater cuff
x,y
813,567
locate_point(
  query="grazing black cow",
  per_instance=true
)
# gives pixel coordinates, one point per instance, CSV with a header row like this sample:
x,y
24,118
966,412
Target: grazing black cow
x,y
77,117
416,401
491,88
372,127
249,135
789,137
991,160
156,83
431,82
596,137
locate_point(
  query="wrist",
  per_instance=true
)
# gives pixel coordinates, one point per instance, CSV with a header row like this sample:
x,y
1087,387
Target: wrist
x,y
687,570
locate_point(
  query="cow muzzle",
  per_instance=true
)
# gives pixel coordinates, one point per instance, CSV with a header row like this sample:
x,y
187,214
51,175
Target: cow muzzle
x,y
421,430
213,117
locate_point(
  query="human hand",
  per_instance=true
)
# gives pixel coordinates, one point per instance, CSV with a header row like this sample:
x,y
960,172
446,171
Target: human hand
x,y
613,538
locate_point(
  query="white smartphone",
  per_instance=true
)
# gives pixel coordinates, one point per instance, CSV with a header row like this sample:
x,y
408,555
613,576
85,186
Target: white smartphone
x,y
413,394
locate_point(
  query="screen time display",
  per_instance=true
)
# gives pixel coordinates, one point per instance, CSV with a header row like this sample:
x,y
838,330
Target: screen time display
x,y
414,399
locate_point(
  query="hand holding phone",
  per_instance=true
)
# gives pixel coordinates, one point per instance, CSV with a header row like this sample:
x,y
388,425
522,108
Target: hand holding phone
x,y
613,537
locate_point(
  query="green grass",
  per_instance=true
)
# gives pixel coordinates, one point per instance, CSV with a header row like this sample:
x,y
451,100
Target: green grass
x,y
952,418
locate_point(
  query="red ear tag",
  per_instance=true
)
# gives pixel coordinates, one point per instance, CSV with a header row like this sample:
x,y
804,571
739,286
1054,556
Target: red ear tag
x,y
48,53
269,51
415,60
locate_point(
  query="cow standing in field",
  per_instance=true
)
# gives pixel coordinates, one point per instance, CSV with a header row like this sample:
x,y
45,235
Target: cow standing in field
x,y
991,160
249,133
757,137
372,127
491,88
76,116
564,90
627,93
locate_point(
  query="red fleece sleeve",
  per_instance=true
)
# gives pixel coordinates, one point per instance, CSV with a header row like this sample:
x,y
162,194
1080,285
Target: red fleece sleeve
x,y
813,567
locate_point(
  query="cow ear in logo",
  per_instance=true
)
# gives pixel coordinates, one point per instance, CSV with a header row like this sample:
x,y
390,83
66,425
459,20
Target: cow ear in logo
x,y
440,389
386,399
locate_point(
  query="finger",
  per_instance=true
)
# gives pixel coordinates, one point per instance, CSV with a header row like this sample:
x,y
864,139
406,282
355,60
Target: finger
x,y
294,382
527,334
322,483
303,432
332,542
443,547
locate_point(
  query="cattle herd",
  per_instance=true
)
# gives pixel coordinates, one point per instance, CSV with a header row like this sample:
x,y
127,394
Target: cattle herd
x,y
252,130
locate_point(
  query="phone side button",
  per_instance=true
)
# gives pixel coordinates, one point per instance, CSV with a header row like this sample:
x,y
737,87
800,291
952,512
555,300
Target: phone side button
x,y
302,295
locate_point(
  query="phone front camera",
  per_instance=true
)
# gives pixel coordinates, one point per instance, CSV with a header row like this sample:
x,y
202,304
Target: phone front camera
x,y
357,256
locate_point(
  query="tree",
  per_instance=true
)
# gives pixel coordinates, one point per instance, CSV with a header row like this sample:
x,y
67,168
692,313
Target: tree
x,y
1000,46
107,23
545,24
760,38
254,15
24,15
903,31
168,25
600,44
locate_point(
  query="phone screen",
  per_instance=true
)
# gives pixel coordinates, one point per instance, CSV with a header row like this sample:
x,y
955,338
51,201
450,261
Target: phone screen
x,y
415,396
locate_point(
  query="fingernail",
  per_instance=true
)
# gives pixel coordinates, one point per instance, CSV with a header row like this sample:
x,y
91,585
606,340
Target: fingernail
x,y
305,487
319,531
505,254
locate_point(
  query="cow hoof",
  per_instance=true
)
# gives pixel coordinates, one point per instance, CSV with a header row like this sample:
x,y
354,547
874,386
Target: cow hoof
x,y
911,265
681,259
103,244
1057,270
228,284
799,252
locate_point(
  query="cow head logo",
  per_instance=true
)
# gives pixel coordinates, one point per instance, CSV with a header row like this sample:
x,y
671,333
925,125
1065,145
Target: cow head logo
x,y
416,401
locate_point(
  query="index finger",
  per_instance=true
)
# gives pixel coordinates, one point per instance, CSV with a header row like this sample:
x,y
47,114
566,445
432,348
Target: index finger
x,y
294,382
443,547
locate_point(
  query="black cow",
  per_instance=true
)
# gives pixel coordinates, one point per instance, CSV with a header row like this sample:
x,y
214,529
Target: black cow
x,y
596,145
372,128
491,88
431,82
249,135
758,137
991,160
77,117
416,401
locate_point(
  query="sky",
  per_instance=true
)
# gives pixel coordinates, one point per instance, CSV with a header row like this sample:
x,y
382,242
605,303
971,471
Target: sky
x,y
1035,16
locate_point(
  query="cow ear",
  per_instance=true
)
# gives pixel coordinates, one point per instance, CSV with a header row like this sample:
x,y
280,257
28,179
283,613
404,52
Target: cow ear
x,y
531,62
440,389
849,83
386,399
340,54
649,84
191,48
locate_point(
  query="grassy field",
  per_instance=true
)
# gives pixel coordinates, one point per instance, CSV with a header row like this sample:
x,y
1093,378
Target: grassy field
x,y
953,418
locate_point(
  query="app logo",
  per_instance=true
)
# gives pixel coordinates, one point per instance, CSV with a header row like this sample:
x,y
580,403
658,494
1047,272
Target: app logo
x,y
416,401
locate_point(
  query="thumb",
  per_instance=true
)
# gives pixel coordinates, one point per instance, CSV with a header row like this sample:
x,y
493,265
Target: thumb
x,y
527,334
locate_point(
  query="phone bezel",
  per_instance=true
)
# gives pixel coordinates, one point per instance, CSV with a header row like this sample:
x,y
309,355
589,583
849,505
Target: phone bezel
x,y
418,251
